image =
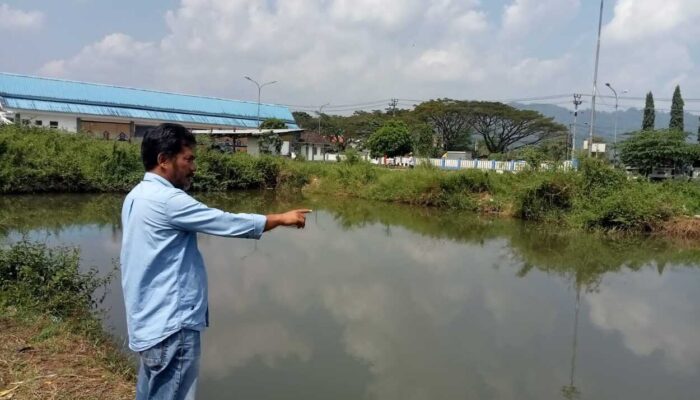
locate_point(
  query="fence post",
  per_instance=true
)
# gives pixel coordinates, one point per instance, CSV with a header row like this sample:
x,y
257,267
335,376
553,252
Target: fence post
x,y
442,163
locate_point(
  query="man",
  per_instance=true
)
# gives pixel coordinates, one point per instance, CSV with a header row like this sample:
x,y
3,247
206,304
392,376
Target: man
x,y
163,275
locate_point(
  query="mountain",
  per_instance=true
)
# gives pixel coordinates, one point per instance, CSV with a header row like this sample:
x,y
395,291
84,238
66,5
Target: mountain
x,y
628,120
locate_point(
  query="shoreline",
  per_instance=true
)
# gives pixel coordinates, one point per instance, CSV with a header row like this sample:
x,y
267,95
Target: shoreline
x,y
43,357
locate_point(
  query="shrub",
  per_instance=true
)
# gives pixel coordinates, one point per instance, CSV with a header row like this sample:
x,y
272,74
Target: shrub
x,y
549,197
47,280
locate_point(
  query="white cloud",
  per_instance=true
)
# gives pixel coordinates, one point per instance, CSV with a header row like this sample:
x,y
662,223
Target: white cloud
x,y
650,314
342,52
16,19
117,58
637,20
524,16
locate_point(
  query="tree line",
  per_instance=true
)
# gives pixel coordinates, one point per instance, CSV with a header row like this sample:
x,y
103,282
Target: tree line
x,y
440,125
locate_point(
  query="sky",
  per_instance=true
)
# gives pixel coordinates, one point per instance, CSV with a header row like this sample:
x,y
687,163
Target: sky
x,y
357,54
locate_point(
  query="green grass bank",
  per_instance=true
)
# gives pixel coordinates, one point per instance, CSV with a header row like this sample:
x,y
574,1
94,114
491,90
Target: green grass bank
x,y
52,344
595,197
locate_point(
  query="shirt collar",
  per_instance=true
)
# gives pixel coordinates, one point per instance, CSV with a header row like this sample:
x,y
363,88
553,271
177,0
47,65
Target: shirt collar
x,y
151,177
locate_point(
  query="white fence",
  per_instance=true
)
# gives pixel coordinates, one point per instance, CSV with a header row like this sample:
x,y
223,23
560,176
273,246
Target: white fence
x,y
489,165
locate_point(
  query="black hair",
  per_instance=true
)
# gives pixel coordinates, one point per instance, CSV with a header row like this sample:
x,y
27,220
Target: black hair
x,y
168,139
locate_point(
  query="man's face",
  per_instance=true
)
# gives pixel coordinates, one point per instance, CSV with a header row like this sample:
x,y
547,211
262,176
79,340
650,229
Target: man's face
x,y
182,169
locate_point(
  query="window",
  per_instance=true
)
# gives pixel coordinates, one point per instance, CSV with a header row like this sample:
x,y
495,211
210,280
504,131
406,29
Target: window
x,y
38,122
25,122
105,135
53,124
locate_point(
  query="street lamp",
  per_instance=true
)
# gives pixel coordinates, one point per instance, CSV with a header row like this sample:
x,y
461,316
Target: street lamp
x,y
259,90
320,114
595,83
615,119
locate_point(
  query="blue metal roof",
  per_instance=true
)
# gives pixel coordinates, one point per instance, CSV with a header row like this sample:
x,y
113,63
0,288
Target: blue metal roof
x,y
54,95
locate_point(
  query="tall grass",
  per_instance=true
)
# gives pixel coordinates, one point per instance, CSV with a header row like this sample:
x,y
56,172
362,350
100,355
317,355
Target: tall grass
x,y
35,160
596,196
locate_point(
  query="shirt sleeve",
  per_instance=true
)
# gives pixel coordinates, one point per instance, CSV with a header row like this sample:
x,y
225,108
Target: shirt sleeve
x,y
188,214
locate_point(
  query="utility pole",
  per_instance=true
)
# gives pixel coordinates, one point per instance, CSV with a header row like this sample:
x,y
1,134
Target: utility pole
x,y
260,86
320,115
392,105
595,82
577,102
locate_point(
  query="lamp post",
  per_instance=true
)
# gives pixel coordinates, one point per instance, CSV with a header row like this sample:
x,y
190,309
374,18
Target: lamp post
x,y
257,118
615,123
320,114
595,83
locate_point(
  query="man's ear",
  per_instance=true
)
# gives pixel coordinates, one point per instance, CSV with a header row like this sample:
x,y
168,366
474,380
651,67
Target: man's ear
x,y
163,159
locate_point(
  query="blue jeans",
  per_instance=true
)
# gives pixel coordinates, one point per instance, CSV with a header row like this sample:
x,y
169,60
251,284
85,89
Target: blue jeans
x,y
169,369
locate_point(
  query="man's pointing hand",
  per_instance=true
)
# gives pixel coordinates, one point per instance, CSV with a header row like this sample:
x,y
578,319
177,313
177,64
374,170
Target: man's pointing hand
x,y
290,218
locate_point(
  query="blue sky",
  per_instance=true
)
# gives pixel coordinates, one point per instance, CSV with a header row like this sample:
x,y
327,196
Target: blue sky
x,y
359,51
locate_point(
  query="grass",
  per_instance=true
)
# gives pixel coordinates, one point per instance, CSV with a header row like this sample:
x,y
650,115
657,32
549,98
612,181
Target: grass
x,y
52,344
595,197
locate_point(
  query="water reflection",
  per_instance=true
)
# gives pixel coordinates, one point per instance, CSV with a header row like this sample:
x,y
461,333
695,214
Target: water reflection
x,y
387,302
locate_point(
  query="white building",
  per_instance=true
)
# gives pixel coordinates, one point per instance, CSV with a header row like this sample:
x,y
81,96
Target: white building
x,y
120,113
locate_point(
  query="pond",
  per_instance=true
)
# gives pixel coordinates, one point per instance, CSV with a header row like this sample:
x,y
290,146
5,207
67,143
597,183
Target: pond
x,y
381,301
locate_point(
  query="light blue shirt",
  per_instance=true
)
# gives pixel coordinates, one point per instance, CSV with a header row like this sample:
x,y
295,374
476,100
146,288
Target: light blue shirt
x,y
163,275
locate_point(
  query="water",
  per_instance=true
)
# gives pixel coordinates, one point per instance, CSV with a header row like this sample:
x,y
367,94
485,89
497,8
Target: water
x,y
377,301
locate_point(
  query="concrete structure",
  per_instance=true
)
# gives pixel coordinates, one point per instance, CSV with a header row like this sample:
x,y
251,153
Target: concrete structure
x,y
247,140
119,113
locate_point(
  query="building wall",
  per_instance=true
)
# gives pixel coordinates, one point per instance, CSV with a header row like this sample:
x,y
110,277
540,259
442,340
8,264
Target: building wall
x,y
107,130
65,122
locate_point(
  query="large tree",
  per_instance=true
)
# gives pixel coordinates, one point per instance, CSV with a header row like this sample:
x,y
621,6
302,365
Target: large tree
x,y
304,120
392,139
507,128
450,119
677,104
649,113
424,141
647,150
273,123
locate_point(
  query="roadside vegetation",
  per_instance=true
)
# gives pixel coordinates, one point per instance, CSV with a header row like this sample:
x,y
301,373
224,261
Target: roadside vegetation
x,y
597,196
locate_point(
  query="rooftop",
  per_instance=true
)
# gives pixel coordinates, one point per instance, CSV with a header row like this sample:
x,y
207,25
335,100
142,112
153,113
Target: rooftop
x,y
57,95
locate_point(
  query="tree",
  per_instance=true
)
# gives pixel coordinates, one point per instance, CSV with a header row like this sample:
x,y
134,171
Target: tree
x,y
677,104
304,120
424,141
649,113
647,150
450,119
273,123
392,139
506,128
269,143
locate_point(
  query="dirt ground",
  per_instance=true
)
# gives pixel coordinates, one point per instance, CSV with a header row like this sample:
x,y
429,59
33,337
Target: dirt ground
x,y
44,359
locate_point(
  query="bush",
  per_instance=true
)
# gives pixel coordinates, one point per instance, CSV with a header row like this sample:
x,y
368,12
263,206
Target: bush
x,y
47,280
637,206
40,160
599,177
549,197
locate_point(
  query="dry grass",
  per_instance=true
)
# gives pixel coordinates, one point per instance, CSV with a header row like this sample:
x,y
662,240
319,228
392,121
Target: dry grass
x,y
42,359
682,228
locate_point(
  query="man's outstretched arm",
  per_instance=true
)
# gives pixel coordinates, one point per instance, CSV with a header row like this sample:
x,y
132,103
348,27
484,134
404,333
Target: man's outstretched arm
x,y
290,218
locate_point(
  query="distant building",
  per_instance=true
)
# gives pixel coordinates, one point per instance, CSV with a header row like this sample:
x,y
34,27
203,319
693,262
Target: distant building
x,y
120,113
457,155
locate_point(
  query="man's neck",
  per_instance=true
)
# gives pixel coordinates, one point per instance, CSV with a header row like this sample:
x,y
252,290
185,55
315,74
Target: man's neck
x,y
160,173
